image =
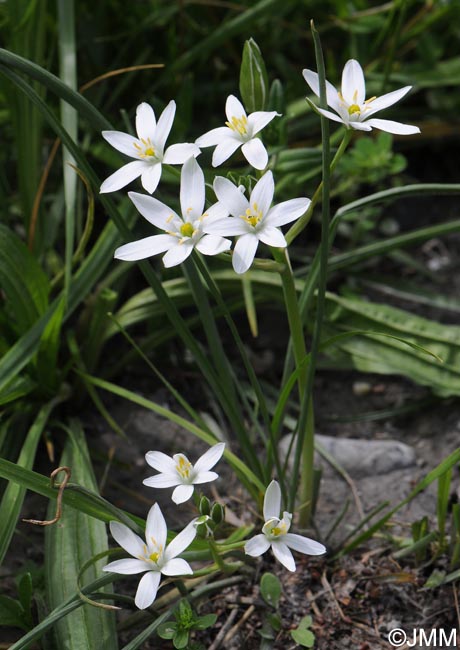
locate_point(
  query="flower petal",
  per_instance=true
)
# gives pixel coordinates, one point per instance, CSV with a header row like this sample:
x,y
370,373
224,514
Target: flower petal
x,y
123,176
145,122
259,119
162,481
177,154
386,100
283,554
210,457
224,150
263,192
156,212
143,248
160,461
255,153
127,567
151,177
128,540
304,544
147,589
230,196
234,108
176,567
214,136
271,236
257,546
227,226
287,211
164,126
359,126
192,190
213,245
205,477
178,253
332,96
244,252
182,493
122,142
156,526
272,501
331,116
353,85
181,541
393,127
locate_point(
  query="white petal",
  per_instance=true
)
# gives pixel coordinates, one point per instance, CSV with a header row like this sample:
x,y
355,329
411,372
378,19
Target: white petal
x,y
177,154
160,461
162,481
127,567
224,150
244,252
214,136
122,142
393,127
331,116
156,212
360,126
177,567
332,96
287,211
213,245
386,100
353,85
156,526
234,108
271,236
205,477
272,501
143,248
128,540
123,176
181,541
257,546
164,125
255,153
182,493
262,194
178,253
210,457
283,555
151,177
216,211
147,589
304,544
259,119
192,190
145,122
230,196
227,226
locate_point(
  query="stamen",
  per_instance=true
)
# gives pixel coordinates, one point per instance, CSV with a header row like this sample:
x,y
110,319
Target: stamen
x,y
354,109
238,124
252,215
186,229
183,465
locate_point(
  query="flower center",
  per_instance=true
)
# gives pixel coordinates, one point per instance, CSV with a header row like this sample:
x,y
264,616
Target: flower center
x,y
253,215
183,466
186,230
281,529
147,151
354,109
238,124
154,557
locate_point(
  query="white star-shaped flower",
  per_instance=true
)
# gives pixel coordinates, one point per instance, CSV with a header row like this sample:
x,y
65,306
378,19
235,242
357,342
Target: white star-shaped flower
x,y
240,131
179,471
253,220
148,149
352,108
275,533
183,233
151,556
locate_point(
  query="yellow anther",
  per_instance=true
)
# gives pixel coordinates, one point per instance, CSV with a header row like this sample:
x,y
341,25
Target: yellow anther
x,y
355,96
371,99
170,218
183,466
147,150
354,109
252,215
186,230
154,557
279,530
238,124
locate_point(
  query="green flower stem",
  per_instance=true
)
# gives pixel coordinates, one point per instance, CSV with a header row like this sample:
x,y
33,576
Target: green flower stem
x,y
217,557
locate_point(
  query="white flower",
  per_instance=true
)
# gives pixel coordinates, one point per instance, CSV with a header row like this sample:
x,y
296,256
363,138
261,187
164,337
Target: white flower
x,y
183,234
179,471
153,556
148,149
275,533
240,130
351,105
253,220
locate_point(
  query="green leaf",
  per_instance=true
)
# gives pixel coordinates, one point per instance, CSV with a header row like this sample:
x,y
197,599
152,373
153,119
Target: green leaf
x,y
11,613
203,622
180,639
167,630
25,590
303,635
270,589
253,78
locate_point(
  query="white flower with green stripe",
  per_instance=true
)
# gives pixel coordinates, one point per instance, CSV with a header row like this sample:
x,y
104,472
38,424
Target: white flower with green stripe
x,y
275,533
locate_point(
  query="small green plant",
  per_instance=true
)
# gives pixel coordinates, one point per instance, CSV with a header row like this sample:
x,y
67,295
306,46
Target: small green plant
x,y
187,621
303,635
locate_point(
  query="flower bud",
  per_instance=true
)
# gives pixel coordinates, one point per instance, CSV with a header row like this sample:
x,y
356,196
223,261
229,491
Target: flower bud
x,y
253,78
217,513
